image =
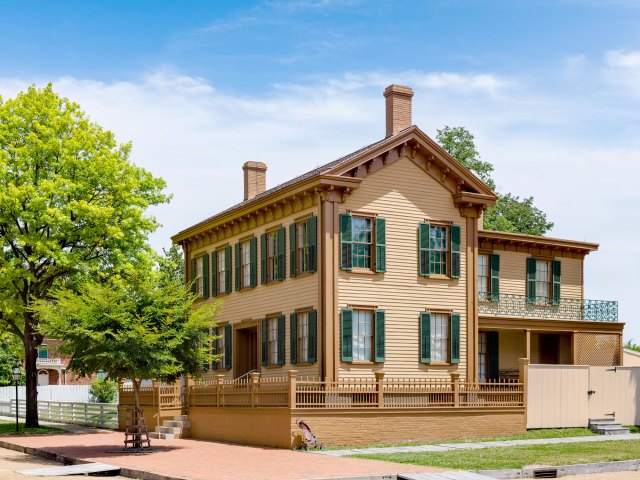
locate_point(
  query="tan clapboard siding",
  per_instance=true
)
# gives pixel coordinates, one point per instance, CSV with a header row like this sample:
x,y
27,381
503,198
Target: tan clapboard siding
x,y
279,296
512,347
404,195
513,274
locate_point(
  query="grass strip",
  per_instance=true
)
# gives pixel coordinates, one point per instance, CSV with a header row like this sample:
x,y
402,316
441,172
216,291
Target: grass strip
x,y
9,428
518,457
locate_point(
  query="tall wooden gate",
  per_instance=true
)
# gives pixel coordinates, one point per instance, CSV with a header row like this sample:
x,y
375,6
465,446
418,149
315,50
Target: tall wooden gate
x,y
560,396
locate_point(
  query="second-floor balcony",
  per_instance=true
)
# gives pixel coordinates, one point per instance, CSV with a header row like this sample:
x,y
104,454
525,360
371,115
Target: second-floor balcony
x,y
49,361
511,305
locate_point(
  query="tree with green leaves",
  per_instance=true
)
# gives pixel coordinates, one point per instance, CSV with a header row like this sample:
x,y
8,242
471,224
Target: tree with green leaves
x,y
139,326
72,207
509,214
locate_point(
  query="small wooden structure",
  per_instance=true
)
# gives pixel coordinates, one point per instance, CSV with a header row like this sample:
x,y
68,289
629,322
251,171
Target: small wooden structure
x,y
136,433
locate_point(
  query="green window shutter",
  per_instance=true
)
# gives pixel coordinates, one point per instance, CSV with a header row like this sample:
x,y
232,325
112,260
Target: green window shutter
x,y
228,345
281,342
193,276
228,277
263,258
379,336
214,274
455,338
555,268
494,262
293,238
312,236
455,251
238,262
205,275
281,256
346,242
214,351
493,350
346,334
531,280
313,336
253,258
381,244
425,337
424,250
265,355
293,338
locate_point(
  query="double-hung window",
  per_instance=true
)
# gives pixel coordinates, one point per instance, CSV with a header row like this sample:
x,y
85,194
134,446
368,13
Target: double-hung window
x,y
363,242
302,246
272,255
439,250
303,336
220,346
245,263
488,277
439,337
272,325
200,275
362,335
543,281
273,340
222,271
483,277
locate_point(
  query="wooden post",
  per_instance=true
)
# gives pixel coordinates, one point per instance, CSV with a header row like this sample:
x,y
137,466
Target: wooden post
x,y
254,378
380,388
523,364
292,374
527,346
455,386
219,397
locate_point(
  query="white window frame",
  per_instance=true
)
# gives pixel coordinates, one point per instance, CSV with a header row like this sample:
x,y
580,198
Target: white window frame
x,y
272,340
222,270
440,335
245,263
302,330
362,335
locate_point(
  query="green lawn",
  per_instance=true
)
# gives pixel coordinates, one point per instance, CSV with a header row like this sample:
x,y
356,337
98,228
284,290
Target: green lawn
x,y
9,428
528,435
518,457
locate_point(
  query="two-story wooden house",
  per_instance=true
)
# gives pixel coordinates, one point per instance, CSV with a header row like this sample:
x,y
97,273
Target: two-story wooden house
x,y
376,266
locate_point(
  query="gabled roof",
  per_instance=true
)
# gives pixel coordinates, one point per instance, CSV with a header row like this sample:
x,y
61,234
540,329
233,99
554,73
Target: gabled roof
x,y
427,150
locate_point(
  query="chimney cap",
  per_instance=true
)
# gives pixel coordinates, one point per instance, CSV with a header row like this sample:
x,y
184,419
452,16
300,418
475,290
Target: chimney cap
x,y
255,166
395,89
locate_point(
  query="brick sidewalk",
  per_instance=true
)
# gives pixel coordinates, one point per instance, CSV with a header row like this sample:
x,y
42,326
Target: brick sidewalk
x,y
203,460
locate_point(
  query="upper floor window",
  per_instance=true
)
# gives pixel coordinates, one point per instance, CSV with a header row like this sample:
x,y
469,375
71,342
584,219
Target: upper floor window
x,y
302,240
43,352
245,263
222,271
200,275
363,335
439,250
543,281
362,242
543,277
272,247
488,277
483,276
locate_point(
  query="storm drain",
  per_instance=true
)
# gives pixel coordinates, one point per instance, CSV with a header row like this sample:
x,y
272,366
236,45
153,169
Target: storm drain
x,y
545,473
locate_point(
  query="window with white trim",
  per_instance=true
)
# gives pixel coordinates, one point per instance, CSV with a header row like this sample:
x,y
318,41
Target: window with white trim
x,y
440,337
439,244
222,271
303,336
543,280
362,335
483,277
272,340
245,266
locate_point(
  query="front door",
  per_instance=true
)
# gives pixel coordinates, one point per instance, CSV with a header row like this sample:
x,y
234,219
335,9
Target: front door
x,y
246,351
549,349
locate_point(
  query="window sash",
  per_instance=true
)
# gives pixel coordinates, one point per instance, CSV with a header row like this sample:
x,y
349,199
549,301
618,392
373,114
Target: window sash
x,y
483,277
440,337
439,249
200,276
222,271
245,263
303,247
272,340
303,337
220,346
482,356
272,253
362,325
543,280
362,240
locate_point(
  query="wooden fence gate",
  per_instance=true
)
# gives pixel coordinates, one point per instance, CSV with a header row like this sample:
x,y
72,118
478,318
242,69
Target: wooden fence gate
x,y
560,396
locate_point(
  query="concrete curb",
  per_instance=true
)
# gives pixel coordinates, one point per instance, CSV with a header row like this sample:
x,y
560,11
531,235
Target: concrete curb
x,y
563,470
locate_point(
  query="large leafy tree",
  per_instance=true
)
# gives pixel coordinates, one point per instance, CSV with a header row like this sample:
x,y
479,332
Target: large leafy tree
x,y
72,206
509,214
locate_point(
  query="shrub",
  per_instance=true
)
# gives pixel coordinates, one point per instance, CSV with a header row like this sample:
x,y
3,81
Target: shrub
x,y
104,391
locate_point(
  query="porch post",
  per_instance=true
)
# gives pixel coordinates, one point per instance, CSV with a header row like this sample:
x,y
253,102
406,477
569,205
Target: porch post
x,y
380,388
524,379
527,343
292,374
219,397
254,379
455,386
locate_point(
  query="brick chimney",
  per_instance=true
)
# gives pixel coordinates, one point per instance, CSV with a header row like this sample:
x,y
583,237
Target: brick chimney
x,y
255,179
398,108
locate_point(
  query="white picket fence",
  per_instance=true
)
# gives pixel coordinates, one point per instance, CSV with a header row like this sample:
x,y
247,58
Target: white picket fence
x,y
104,415
56,393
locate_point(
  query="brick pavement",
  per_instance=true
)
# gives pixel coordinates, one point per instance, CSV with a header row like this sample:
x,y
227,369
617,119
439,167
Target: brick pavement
x,y
196,459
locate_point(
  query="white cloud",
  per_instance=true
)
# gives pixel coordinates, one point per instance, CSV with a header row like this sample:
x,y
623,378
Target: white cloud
x,y
197,138
622,69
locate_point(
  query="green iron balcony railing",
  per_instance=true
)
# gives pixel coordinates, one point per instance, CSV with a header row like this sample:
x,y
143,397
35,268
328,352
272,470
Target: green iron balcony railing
x,y
510,305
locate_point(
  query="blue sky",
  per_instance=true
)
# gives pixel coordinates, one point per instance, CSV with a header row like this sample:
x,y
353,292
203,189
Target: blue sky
x,y
551,90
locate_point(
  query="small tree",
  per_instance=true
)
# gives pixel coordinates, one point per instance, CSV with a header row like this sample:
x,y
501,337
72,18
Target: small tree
x,y
140,327
104,390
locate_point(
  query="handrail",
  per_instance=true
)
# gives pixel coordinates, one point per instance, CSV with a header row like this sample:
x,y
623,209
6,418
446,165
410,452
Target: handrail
x,y
235,380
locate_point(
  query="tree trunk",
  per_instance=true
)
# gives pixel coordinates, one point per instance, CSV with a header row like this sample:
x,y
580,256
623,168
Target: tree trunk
x,y
137,413
30,358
